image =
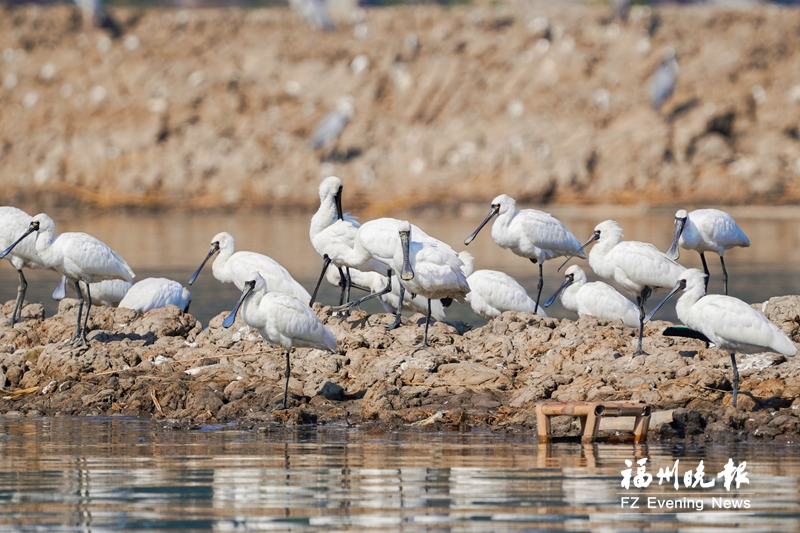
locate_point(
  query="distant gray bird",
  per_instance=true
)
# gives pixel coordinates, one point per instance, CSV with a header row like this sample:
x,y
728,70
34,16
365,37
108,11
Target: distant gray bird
x,y
621,9
315,12
328,130
95,15
664,79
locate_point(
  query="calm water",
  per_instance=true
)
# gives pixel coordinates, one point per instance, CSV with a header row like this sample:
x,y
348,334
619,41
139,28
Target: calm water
x,y
128,474
173,245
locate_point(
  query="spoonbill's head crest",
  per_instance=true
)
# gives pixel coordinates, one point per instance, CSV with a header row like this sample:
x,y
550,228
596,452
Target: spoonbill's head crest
x,y
606,228
329,187
404,227
223,240
681,213
258,282
469,263
43,222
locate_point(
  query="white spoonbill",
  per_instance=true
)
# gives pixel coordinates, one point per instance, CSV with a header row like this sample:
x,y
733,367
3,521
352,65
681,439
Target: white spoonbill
x,y
230,267
374,251
333,236
429,269
152,293
492,292
707,230
640,268
78,256
595,299
375,282
528,233
731,324
13,222
281,319
108,293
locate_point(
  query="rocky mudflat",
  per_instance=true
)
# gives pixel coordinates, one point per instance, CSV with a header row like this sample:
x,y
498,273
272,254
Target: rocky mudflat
x,y
164,364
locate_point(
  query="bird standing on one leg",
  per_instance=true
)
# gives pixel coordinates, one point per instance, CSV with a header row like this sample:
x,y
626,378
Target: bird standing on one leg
x,y
282,320
707,230
529,233
78,256
731,324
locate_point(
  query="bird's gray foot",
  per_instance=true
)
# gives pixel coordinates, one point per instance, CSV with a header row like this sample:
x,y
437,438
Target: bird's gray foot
x,y
394,325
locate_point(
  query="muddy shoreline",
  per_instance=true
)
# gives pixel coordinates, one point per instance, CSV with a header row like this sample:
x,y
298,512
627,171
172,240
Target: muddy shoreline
x,y
166,366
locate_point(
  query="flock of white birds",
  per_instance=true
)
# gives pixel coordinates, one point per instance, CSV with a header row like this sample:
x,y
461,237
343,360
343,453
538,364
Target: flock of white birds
x,y
402,265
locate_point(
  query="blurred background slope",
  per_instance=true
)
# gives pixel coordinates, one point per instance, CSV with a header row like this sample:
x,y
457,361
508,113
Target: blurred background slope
x,y
550,102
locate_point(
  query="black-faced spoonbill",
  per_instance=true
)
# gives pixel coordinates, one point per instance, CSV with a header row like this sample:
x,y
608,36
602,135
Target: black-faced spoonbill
x,y
333,236
529,233
374,251
731,324
230,267
492,292
640,268
13,222
429,269
153,293
79,257
282,320
707,230
595,299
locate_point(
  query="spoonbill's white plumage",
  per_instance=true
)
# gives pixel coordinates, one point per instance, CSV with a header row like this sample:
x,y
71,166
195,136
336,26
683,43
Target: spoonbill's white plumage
x,y
13,223
528,233
281,319
230,267
79,257
595,299
638,267
153,293
390,301
108,293
333,234
731,324
492,292
430,269
707,230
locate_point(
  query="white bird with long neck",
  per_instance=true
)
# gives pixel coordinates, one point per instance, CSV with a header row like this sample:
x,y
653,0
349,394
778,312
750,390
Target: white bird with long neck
x,y
596,299
638,267
333,236
493,292
230,267
79,257
374,251
707,230
13,223
154,293
430,269
282,320
528,233
731,324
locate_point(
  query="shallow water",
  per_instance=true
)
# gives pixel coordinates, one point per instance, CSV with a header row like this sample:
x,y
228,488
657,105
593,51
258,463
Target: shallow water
x,y
173,245
131,474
